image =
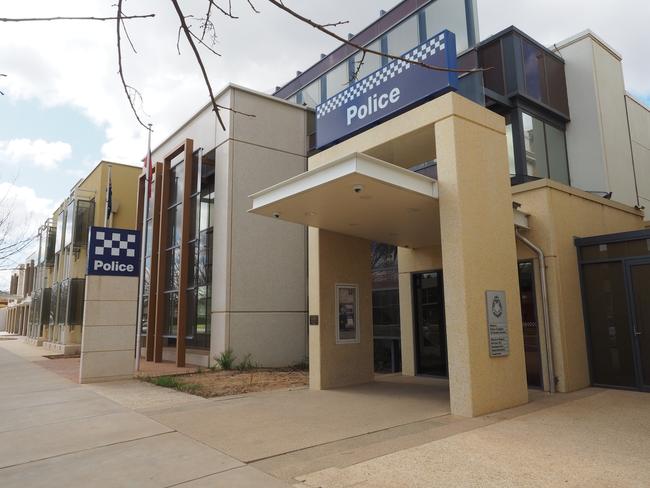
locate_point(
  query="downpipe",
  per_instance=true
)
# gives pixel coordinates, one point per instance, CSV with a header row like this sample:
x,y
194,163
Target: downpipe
x,y
545,307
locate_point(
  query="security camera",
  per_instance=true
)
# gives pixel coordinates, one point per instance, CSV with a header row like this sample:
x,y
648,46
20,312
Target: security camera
x,y
357,188
276,215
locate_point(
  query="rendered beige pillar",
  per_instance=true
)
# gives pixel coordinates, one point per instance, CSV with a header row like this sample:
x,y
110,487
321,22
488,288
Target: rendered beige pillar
x,y
338,259
407,335
479,254
108,334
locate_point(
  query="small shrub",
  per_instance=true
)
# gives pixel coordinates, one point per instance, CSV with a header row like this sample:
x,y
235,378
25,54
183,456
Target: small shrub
x,y
226,360
247,364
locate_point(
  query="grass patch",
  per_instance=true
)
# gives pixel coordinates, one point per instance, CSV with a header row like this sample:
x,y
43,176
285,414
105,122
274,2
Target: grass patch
x,y
175,383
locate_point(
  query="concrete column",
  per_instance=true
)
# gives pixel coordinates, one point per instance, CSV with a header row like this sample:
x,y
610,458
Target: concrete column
x,y
479,254
338,259
406,324
108,338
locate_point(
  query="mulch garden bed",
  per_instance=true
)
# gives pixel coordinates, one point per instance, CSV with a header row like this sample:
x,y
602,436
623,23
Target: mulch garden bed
x,y
217,383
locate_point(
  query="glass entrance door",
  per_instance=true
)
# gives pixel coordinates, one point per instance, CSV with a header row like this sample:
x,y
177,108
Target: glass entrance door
x,y
639,277
430,335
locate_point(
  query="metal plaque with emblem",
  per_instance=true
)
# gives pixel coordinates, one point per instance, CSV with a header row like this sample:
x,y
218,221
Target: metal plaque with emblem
x,y
497,320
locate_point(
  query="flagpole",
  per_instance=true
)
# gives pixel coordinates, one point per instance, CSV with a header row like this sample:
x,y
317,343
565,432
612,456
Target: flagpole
x,y
143,252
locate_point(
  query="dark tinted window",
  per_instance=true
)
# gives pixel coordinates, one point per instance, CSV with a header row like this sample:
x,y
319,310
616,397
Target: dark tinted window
x,y
76,308
627,249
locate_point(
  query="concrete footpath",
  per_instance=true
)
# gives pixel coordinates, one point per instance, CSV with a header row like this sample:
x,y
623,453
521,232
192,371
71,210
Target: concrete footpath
x,y
55,433
396,432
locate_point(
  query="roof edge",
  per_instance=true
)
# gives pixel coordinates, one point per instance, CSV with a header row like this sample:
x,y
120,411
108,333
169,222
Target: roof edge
x,y
229,86
588,33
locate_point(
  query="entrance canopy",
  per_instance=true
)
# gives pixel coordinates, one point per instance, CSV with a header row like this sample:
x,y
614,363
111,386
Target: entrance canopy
x,y
359,196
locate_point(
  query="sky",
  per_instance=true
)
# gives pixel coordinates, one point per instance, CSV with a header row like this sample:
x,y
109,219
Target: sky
x,y
64,109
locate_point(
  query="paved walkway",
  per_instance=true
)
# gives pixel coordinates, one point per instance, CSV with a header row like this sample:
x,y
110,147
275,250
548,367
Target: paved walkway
x,y
55,433
599,439
394,433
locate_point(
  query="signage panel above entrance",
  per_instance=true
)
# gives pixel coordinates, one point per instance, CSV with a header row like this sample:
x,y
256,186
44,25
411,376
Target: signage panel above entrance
x,y
113,252
390,90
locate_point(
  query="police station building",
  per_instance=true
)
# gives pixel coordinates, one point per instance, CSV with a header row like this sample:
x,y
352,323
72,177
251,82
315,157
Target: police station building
x,y
483,222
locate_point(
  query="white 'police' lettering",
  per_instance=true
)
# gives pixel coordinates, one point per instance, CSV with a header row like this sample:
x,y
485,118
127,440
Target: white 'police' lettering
x,y
374,104
112,266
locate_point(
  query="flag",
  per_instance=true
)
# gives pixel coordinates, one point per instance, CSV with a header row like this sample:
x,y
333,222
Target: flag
x,y
109,199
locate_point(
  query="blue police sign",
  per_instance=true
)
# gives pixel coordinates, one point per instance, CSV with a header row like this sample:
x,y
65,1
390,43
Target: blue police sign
x,y
113,252
388,91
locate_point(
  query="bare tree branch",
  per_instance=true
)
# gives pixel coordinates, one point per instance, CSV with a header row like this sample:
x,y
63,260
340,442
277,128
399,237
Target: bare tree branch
x,y
227,13
48,19
126,87
200,41
128,37
197,55
322,28
253,7
359,64
207,19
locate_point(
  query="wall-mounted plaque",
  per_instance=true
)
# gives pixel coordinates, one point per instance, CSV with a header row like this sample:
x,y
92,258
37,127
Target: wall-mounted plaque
x,y
497,321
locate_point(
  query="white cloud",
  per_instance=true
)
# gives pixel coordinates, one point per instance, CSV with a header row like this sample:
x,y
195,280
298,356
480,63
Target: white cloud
x,y
75,63
27,212
39,152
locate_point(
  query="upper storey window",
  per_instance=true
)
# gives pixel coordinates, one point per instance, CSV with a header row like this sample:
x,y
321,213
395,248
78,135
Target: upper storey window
x,y
338,79
310,95
545,147
450,15
362,65
404,37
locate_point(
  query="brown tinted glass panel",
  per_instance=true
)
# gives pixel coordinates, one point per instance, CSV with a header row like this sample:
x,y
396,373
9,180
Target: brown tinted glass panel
x,y
557,85
491,59
534,72
607,317
628,249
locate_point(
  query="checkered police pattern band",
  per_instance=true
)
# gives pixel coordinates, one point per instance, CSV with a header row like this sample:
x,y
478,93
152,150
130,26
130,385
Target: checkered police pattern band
x,y
115,244
392,69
